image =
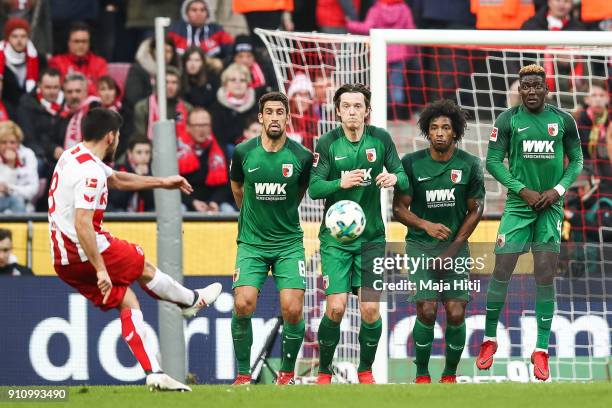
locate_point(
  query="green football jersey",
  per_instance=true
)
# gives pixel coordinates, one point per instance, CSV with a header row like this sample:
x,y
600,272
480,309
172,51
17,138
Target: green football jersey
x,y
336,154
535,144
440,190
272,181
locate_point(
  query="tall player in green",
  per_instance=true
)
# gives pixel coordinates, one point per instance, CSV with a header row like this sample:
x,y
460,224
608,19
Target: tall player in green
x,y
269,176
348,165
441,208
535,136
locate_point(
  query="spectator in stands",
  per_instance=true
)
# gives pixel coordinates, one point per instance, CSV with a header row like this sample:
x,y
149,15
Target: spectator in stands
x,y
456,15
303,125
267,14
196,30
146,111
8,261
333,14
109,93
500,14
235,103
200,78
38,14
138,161
202,162
19,63
304,15
39,117
18,171
556,16
79,57
75,108
262,74
252,129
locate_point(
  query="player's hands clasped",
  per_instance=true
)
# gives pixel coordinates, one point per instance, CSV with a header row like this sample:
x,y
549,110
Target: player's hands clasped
x,y
386,180
174,182
547,198
351,179
531,197
438,231
104,284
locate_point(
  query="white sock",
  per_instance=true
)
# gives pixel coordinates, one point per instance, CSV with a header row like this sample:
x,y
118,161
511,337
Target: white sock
x,y
169,289
487,338
541,349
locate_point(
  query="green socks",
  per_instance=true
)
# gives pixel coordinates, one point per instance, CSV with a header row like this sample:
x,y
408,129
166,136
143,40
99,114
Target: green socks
x,y
545,308
293,334
454,337
369,334
422,337
329,336
496,297
242,335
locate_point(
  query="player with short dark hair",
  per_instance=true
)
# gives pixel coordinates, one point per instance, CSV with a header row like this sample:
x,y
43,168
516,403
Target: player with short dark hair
x,y
100,266
349,164
441,208
269,176
536,137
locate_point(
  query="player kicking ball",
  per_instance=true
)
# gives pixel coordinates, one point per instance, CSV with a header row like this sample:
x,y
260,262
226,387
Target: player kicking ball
x,y
100,266
269,176
441,208
535,136
348,165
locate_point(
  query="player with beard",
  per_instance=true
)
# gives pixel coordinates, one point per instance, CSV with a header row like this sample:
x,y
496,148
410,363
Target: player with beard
x,y
269,176
441,208
100,266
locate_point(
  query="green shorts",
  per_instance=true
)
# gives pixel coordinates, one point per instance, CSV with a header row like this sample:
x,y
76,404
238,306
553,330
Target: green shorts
x,y
287,265
342,266
522,229
430,284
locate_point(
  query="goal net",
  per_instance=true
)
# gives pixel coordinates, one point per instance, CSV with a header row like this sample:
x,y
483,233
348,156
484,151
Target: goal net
x,y
481,76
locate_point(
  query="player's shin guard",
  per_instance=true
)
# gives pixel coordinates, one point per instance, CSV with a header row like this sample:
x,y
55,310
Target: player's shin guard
x,y
545,308
242,335
133,332
293,334
164,287
496,297
455,342
422,336
329,336
369,335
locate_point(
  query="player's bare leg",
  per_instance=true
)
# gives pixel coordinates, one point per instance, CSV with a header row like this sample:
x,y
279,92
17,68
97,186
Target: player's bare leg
x,y
162,286
545,265
422,336
369,334
496,297
134,333
245,302
454,336
329,334
292,310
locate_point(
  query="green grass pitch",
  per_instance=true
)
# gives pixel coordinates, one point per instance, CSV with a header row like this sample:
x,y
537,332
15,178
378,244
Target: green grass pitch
x,y
503,395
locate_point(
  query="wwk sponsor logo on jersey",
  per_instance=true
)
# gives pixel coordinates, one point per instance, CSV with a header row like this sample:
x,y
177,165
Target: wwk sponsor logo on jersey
x,y
270,191
444,197
553,129
367,176
287,170
538,149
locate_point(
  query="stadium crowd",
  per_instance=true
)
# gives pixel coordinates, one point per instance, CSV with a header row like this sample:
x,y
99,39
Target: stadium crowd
x,y
60,58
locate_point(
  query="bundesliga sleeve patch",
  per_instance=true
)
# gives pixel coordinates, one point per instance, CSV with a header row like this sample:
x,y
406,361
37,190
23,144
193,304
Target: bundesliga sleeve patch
x,y
493,135
91,183
315,160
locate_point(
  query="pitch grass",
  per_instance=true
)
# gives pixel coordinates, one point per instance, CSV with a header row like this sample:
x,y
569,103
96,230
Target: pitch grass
x,y
503,395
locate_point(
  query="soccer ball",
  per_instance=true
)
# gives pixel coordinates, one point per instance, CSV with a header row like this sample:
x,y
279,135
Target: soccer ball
x,y
345,220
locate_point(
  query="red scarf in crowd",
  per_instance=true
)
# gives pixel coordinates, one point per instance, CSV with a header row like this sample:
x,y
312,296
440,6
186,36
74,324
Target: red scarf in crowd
x,y
180,120
190,162
53,108
257,76
31,61
74,135
555,24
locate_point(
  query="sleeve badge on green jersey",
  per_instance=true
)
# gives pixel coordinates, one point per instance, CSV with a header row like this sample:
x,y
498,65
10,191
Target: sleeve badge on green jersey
x,y
236,275
371,155
315,159
287,169
325,281
493,135
553,129
501,240
456,175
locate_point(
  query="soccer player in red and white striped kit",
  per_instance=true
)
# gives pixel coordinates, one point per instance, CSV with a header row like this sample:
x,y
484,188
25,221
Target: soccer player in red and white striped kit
x,y
100,266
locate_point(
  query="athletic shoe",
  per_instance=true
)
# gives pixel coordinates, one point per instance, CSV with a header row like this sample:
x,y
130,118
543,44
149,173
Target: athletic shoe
x,y
422,379
485,357
242,379
366,377
285,378
204,297
324,378
448,379
163,382
540,365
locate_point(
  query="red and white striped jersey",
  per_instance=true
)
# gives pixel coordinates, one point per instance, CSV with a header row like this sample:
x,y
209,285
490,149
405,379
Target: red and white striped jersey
x,y
79,181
